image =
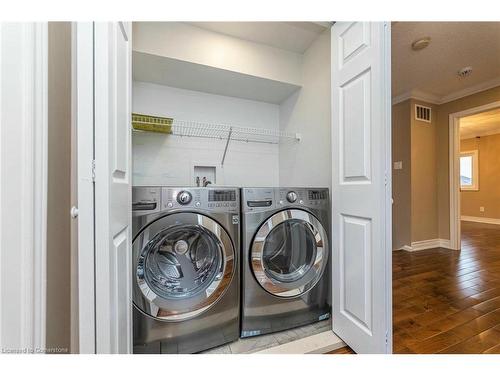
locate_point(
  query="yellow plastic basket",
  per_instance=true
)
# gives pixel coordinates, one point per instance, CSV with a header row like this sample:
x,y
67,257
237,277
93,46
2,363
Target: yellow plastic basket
x,y
152,123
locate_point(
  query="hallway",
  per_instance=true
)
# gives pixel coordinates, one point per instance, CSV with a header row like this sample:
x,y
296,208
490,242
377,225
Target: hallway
x,y
447,301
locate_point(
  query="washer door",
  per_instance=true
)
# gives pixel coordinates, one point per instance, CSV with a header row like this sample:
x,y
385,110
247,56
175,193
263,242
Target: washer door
x,y
182,264
289,253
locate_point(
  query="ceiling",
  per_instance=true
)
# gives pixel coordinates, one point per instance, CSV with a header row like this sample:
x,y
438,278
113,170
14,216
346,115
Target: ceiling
x,y
481,124
454,45
290,36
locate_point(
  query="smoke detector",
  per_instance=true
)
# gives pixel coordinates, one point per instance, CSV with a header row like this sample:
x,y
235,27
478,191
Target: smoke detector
x,y
465,72
421,43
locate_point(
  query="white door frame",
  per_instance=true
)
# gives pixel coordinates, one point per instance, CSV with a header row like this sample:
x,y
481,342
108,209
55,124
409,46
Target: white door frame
x,y
23,188
454,169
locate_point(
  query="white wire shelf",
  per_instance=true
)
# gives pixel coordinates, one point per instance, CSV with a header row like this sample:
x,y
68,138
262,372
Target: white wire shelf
x,y
228,132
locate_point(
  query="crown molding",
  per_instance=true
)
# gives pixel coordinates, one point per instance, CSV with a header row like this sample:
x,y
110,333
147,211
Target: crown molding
x,y
438,100
471,90
416,95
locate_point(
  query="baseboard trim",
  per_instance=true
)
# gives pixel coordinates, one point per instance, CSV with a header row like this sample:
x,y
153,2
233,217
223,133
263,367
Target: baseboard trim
x,y
478,219
427,244
405,248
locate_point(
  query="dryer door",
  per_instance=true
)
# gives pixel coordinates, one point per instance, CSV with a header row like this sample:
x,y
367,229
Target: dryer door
x,y
289,253
182,264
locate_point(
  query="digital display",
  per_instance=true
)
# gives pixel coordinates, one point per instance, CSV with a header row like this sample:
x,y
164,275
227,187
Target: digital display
x,y
317,194
221,196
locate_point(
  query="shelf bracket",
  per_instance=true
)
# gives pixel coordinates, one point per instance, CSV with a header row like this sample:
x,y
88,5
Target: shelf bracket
x,y
227,144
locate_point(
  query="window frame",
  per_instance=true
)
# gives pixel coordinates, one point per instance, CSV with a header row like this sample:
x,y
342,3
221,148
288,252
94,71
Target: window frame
x,y
475,170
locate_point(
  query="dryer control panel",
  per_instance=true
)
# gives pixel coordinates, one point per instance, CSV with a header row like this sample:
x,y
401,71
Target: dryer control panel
x,y
307,197
265,199
258,199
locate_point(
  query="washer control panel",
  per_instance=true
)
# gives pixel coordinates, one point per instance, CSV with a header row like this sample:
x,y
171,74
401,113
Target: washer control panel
x,y
211,199
184,197
145,200
291,196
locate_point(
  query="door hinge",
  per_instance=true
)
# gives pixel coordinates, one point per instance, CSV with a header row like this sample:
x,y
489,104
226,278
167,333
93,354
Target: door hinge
x,y
93,170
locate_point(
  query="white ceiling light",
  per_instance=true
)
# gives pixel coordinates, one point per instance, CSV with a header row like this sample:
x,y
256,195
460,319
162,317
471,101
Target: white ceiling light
x,y
421,43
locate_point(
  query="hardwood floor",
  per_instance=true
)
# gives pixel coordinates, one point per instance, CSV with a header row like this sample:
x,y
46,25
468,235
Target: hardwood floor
x,y
343,350
448,301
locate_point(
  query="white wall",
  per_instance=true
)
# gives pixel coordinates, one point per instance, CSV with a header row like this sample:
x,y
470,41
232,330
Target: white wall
x,y
181,41
160,159
308,163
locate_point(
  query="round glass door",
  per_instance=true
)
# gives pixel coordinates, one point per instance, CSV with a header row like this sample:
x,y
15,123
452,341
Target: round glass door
x,y
289,253
183,263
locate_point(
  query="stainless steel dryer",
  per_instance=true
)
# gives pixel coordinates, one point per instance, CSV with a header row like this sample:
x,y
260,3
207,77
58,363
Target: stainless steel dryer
x,y
185,268
285,252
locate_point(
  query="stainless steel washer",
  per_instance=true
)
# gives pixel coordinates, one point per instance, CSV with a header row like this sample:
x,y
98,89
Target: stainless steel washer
x,y
185,268
285,258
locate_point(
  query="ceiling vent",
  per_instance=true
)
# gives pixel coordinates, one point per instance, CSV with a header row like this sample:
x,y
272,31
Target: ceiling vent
x,y
422,113
465,72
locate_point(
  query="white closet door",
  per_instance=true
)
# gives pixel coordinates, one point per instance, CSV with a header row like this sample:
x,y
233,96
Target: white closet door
x,y
112,132
361,199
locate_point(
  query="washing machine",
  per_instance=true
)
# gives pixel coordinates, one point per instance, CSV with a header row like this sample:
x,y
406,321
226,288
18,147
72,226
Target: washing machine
x,y
285,258
185,268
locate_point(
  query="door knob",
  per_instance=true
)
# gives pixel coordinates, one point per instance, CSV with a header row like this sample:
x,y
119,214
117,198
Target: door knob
x,y
74,212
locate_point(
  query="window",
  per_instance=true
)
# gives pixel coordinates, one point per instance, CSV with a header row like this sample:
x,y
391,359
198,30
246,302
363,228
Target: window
x,y
469,170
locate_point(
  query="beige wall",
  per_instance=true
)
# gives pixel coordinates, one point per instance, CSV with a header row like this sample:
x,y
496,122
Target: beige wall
x,y
415,185
401,178
442,151
58,204
423,176
425,193
488,195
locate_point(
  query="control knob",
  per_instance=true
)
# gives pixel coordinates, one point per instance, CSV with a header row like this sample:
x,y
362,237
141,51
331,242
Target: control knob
x,y
184,197
291,196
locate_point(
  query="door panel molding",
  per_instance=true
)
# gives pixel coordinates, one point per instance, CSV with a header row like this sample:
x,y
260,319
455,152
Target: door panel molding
x,y
356,306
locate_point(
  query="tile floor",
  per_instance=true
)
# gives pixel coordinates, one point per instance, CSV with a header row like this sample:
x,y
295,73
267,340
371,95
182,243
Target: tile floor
x,y
257,343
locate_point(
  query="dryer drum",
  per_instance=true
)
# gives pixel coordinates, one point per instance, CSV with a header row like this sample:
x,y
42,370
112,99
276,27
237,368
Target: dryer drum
x,y
289,251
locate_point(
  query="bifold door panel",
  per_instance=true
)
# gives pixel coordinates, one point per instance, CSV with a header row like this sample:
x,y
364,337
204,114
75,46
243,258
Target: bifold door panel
x,y
361,185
